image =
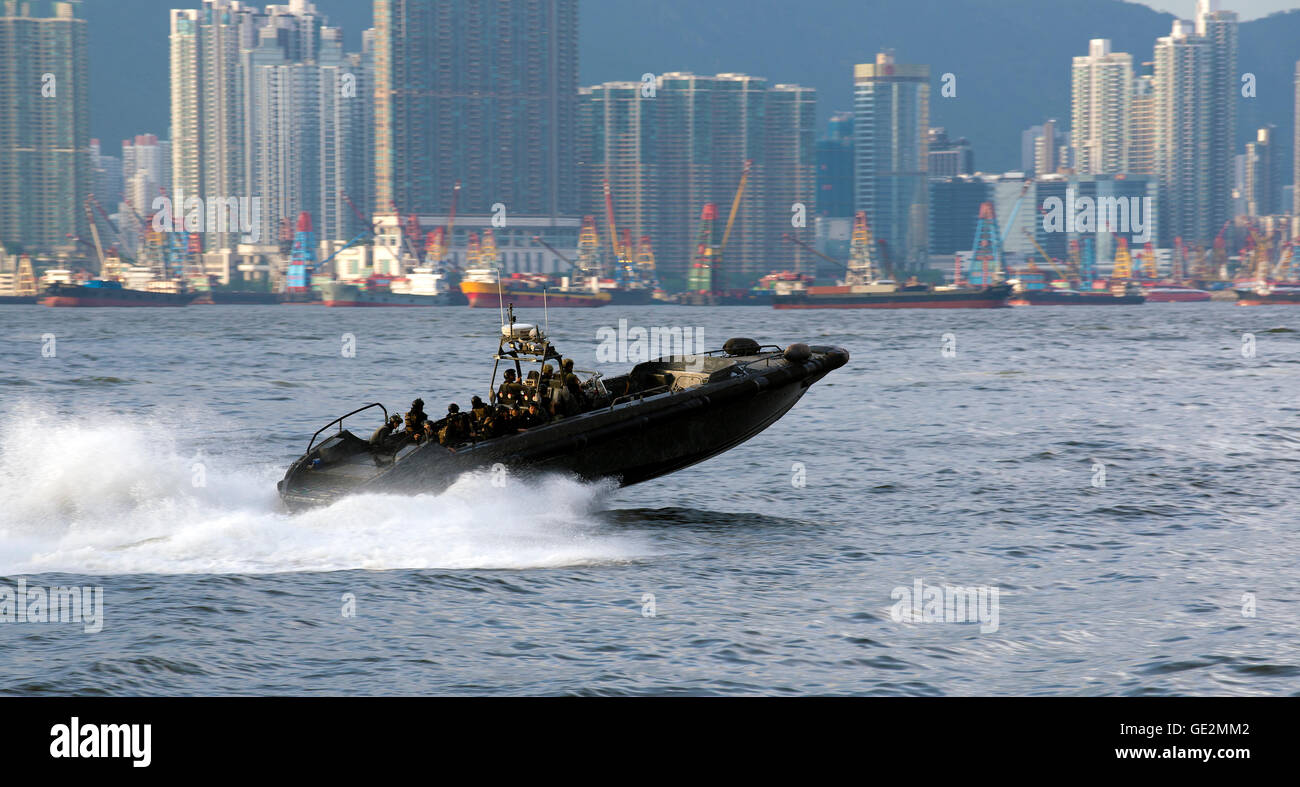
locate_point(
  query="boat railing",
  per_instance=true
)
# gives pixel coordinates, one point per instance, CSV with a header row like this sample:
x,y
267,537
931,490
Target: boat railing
x,y
658,389
339,421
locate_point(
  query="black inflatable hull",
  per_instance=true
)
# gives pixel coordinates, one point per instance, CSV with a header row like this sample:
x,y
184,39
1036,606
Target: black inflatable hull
x,y
629,443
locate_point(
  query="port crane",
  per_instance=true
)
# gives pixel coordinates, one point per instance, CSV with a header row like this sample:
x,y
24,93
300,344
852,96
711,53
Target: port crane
x,y
1051,263
715,272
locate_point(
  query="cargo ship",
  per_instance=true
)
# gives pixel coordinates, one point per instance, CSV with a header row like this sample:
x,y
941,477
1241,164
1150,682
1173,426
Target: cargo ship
x,y
421,287
1057,296
485,290
241,298
635,294
1174,293
888,294
1281,293
106,292
752,297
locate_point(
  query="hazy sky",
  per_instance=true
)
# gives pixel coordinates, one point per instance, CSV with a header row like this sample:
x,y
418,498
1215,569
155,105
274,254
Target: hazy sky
x,y
1247,9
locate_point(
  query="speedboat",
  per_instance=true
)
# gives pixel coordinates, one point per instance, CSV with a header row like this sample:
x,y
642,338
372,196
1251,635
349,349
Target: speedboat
x,y
659,417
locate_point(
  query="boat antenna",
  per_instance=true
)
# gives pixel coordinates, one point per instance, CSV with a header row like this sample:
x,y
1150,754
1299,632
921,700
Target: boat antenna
x,y
546,315
501,298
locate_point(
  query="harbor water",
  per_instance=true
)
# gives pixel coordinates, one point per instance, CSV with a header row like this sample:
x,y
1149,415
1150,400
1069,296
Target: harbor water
x,y
1117,485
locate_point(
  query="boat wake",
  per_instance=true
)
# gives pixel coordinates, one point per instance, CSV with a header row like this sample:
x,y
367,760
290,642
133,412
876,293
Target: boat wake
x,y
122,498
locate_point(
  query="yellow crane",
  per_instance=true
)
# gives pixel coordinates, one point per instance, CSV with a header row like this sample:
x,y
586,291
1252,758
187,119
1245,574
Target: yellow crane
x,y
1046,257
731,219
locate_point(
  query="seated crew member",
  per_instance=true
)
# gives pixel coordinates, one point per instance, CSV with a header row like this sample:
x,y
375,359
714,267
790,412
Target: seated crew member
x,y
478,410
455,428
384,435
415,418
505,420
532,417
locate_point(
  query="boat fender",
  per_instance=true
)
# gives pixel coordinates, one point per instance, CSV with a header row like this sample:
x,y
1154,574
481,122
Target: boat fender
x,y
740,346
798,352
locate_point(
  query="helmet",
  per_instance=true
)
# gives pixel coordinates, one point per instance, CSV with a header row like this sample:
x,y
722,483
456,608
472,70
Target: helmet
x,y
453,408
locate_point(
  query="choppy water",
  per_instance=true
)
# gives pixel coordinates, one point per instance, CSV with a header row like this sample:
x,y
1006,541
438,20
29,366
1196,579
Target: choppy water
x,y
976,470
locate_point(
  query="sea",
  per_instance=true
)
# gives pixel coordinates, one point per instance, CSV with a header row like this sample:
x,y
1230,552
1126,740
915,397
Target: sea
x,y
1031,501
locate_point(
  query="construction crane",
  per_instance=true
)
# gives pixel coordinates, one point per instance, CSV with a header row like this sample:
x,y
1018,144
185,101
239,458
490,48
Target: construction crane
x,y
94,232
613,236
1011,219
1219,256
588,252
1051,263
1123,268
488,250
1149,268
986,251
700,277
809,248
538,240
1286,261
862,261
451,218
1178,266
645,263
731,220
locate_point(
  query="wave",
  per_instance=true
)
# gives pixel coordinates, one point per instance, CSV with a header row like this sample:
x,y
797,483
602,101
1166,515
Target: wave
x,y
121,497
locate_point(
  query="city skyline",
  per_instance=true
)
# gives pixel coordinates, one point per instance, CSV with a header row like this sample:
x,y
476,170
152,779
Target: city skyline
x,y
824,68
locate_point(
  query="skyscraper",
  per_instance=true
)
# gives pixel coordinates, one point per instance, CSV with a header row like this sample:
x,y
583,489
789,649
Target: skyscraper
x,y
790,170
45,159
306,118
617,143
1142,123
1295,155
207,104
1100,89
1260,178
146,169
267,105
891,107
835,168
948,158
708,127
1219,29
480,92
1183,136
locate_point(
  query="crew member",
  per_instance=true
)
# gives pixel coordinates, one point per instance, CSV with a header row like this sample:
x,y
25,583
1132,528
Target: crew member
x,y
455,429
384,434
532,417
415,418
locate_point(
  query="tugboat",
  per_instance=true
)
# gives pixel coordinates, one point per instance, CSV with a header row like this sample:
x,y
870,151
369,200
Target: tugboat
x,y
658,418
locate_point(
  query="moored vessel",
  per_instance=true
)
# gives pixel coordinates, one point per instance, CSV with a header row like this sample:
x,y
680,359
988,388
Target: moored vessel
x,y
1175,293
102,293
888,294
420,287
1280,293
485,289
